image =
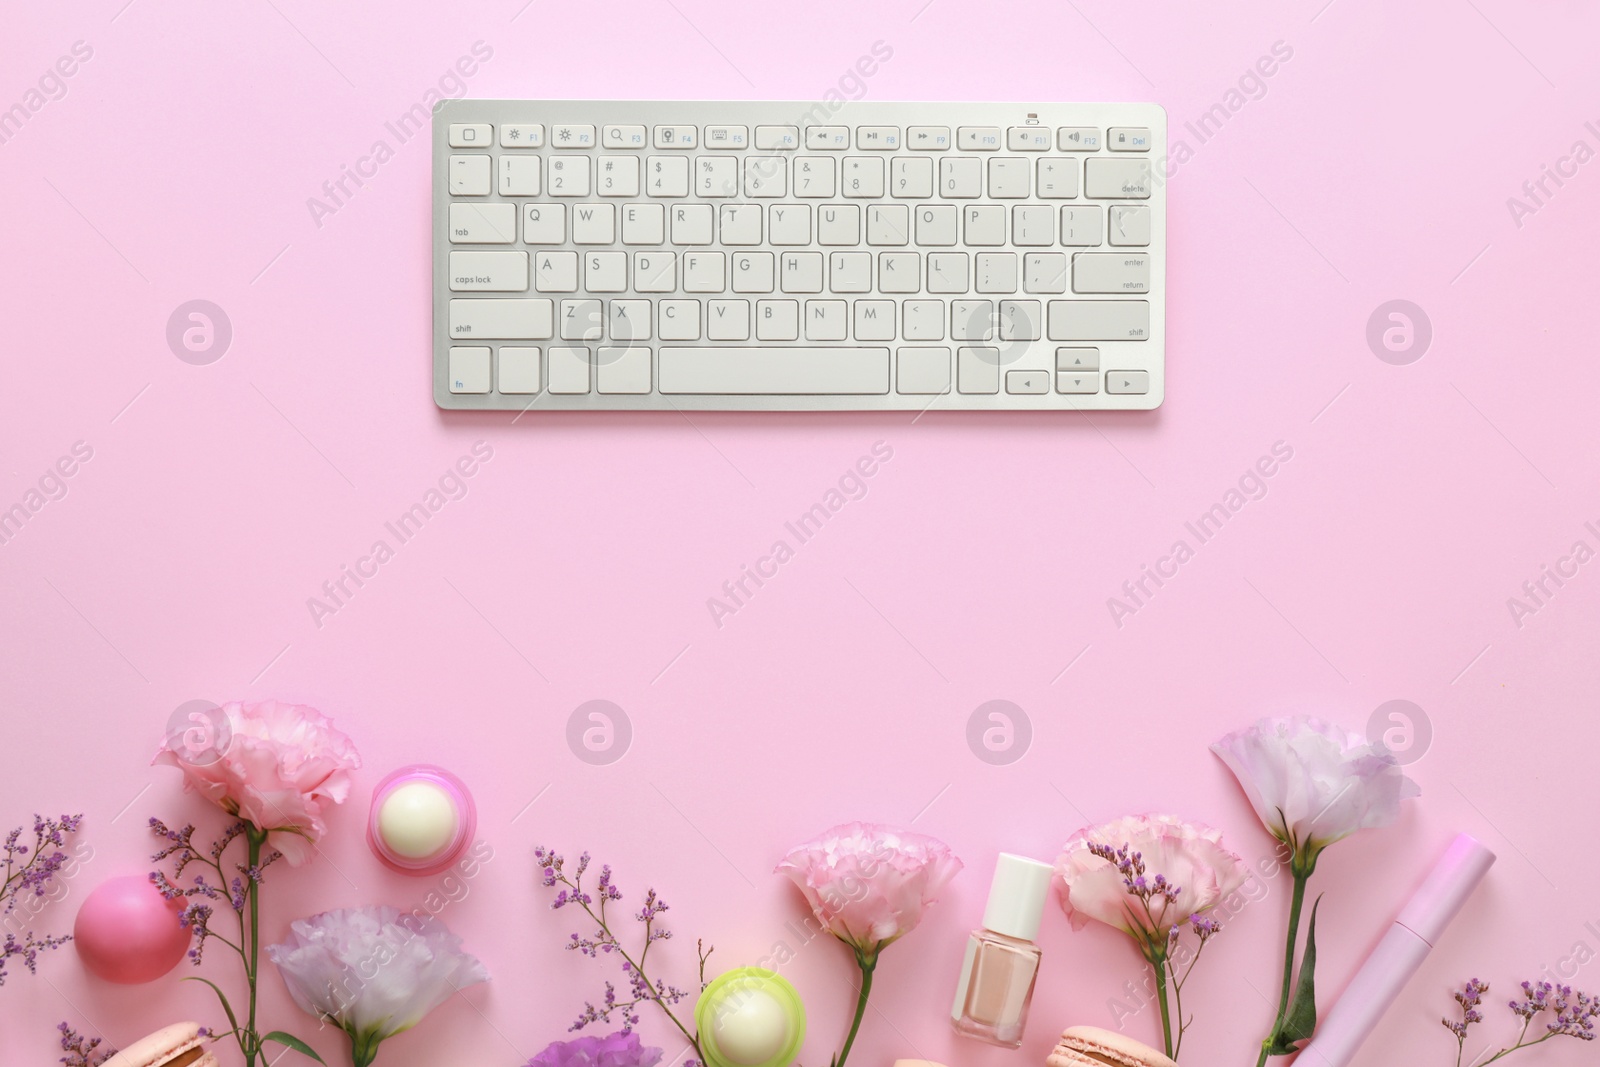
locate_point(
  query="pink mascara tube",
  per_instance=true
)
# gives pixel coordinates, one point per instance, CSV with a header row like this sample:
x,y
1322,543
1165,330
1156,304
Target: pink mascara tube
x,y
1398,956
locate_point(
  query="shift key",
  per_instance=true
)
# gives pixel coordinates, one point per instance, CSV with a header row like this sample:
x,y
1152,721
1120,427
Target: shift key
x,y
1098,320
1111,272
489,272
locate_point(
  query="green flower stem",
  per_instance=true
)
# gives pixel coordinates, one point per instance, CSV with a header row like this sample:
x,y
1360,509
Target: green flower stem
x,y
867,966
1161,998
255,839
1296,905
364,1048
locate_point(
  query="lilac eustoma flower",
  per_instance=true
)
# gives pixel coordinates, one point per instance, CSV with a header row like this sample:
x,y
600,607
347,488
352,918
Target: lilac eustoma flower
x,y
373,971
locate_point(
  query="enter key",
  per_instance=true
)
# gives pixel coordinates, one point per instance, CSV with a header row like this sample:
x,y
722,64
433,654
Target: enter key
x,y
1111,272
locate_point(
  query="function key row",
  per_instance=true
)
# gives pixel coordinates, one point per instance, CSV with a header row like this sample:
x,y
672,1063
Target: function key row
x,y
815,138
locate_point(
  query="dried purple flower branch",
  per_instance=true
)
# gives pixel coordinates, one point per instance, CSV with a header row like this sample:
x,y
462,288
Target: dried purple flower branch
x,y
641,989
1574,1016
82,1051
30,871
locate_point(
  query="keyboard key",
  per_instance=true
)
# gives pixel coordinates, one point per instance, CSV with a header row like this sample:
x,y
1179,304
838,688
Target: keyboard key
x,y
569,176
1033,225
727,137
789,224
1117,179
827,138
766,177
1080,226
655,272
521,136
899,272
469,370
825,320
623,137
911,177
728,320
470,135
1128,139
518,370
678,320
839,224
777,138
775,371
489,272
985,225
572,136
497,319
740,224
947,272
978,138
1029,139
888,224
605,272
878,138
555,272
1078,139
1111,272
581,320
618,176
752,272
519,175
997,272
801,272
960,178
1098,320
813,176
1077,382
676,137
704,272
875,320
1028,382
922,320
1008,178
1130,225
978,370
594,224
863,177
624,371
1044,272
544,224
777,320
644,224
628,321
716,176
1127,381
666,175
469,175
483,224
971,320
850,272
1020,320
936,224
1077,360
1058,179
929,139
922,371
569,370
692,224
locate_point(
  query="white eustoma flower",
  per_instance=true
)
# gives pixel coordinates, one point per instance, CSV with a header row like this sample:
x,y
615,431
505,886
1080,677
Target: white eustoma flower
x,y
373,971
1313,783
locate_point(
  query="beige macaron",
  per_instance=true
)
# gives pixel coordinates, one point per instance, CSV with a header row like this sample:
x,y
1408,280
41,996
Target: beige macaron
x,y
178,1045
1090,1046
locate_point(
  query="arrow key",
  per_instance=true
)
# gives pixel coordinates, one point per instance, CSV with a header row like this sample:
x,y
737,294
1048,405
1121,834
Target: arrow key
x,y
1032,382
1078,360
1075,382
1127,381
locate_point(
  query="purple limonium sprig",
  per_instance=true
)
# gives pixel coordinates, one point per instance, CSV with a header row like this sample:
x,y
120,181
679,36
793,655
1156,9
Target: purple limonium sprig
x,y
30,871
1173,962
642,989
1571,1013
82,1051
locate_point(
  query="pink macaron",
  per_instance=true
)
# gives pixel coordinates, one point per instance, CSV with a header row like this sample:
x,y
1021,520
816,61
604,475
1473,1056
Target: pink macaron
x,y
1090,1046
178,1045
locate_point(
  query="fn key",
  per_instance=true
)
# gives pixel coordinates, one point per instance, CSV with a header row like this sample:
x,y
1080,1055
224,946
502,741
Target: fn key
x,y
1127,381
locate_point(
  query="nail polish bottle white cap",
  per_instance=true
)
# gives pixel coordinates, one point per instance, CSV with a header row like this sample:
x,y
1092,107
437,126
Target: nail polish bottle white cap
x,y
1017,896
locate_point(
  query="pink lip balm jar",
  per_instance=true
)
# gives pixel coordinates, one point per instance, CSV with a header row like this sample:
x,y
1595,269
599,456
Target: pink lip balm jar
x,y
422,820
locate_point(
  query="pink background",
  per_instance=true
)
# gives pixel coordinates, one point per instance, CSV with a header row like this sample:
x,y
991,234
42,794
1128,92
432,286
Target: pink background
x,y
1376,166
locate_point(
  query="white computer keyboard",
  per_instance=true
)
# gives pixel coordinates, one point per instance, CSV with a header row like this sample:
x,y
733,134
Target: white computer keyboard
x,y
744,256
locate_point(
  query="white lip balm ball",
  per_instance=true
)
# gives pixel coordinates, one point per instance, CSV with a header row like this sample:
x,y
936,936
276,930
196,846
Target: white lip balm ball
x,y
417,820
751,1027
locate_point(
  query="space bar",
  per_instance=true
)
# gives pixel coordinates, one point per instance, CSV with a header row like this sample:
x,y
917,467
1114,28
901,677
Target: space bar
x,y
776,371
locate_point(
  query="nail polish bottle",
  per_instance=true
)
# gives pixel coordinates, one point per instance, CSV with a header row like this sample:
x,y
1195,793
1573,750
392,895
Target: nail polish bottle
x,y
1002,961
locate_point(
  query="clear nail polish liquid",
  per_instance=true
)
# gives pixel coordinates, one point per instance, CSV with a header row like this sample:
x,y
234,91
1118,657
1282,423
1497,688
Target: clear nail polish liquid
x,y
1002,962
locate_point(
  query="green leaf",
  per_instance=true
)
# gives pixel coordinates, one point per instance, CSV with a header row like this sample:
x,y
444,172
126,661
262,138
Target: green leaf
x,y
232,1021
290,1041
1301,1021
